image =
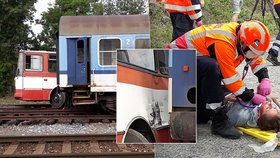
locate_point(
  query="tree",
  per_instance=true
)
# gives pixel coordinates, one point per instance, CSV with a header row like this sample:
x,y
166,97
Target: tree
x,y
121,7
14,33
50,19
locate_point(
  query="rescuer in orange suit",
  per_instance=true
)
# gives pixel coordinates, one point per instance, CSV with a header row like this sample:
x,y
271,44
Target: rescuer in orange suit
x,y
183,13
220,49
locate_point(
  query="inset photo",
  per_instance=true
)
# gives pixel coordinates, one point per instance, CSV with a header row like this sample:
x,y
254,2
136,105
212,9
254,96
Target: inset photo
x,y
156,96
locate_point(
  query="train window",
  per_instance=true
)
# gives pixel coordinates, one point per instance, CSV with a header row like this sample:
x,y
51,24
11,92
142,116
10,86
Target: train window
x,y
163,57
33,63
107,51
142,43
80,51
52,63
143,58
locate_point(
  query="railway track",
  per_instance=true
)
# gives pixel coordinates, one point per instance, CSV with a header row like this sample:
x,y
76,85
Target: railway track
x,y
29,114
102,146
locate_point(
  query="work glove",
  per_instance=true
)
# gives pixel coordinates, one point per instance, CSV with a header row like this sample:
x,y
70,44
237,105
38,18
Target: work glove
x,y
198,23
258,99
264,87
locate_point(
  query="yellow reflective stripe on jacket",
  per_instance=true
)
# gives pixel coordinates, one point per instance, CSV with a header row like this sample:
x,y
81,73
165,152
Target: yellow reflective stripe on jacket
x,y
182,8
222,32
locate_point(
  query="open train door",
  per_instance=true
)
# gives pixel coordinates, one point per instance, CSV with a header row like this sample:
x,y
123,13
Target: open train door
x,y
77,61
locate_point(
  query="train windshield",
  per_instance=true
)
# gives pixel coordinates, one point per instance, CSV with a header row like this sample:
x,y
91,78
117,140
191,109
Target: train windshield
x,y
20,65
143,58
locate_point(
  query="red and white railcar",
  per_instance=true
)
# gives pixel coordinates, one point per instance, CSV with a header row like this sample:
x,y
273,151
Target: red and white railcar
x,y
35,76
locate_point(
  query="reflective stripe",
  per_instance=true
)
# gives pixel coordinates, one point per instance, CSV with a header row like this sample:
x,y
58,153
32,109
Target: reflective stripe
x,y
213,106
236,54
198,53
198,35
276,42
260,30
254,61
257,68
225,33
194,7
173,45
188,40
231,79
276,48
256,51
196,16
182,8
240,91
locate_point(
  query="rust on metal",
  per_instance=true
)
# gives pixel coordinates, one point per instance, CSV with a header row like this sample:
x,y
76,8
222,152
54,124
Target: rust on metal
x,y
103,25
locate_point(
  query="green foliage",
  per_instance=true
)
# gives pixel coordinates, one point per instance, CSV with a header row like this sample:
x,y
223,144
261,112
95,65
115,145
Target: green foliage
x,y
14,36
214,11
121,7
50,19
160,26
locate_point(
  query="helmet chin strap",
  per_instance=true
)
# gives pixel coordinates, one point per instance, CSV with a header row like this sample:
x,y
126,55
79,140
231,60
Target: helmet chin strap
x,y
248,60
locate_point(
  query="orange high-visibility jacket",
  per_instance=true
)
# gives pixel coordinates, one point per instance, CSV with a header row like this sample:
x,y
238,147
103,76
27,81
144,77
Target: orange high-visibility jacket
x,y
276,2
225,38
185,7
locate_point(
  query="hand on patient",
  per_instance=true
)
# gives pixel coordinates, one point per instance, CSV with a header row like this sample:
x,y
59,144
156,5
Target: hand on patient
x,y
231,98
264,88
258,99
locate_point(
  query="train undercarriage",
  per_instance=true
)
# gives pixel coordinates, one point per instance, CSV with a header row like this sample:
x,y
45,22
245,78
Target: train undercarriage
x,y
81,95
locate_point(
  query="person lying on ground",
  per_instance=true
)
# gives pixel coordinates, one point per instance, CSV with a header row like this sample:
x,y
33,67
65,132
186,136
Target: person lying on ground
x,y
236,113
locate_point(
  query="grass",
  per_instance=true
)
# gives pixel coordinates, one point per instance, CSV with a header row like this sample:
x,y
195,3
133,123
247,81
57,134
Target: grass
x,y
215,11
10,100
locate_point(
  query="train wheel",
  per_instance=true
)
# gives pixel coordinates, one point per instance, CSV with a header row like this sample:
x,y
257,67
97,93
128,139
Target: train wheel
x,y
58,99
133,136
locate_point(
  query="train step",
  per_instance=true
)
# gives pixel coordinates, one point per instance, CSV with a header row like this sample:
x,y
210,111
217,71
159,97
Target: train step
x,y
84,102
81,90
81,97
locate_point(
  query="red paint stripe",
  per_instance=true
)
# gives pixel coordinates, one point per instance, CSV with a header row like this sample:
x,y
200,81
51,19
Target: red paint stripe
x,y
139,78
18,94
119,137
22,94
162,135
39,74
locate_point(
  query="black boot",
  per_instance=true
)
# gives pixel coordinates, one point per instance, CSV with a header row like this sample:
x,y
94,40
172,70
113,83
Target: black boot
x,y
221,126
273,60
